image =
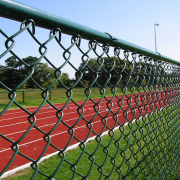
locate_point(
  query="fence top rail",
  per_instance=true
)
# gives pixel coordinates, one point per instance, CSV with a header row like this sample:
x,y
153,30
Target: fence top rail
x,y
19,12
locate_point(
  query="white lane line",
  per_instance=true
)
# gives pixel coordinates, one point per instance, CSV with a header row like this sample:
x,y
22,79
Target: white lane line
x,y
63,133
58,105
49,125
31,129
13,124
46,118
7,119
42,126
40,139
61,104
45,107
39,119
49,111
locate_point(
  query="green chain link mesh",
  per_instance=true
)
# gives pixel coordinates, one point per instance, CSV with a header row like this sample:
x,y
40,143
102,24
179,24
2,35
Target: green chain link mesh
x,y
150,127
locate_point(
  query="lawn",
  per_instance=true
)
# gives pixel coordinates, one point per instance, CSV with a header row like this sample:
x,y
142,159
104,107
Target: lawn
x,y
34,97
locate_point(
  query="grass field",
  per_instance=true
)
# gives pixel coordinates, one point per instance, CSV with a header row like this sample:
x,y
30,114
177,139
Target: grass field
x,y
34,98
146,150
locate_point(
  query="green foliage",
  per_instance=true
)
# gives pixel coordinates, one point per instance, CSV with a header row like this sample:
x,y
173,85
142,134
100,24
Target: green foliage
x,y
64,80
11,62
86,83
120,71
16,71
112,69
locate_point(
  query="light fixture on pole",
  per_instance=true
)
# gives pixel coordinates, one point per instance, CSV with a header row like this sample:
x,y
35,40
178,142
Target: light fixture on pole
x,y
155,35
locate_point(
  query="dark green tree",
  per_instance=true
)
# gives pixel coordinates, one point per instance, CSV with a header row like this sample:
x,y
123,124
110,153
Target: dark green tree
x,y
16,71
114,71
11,62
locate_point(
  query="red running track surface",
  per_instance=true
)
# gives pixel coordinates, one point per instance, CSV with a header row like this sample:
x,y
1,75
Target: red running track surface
x,y
14,123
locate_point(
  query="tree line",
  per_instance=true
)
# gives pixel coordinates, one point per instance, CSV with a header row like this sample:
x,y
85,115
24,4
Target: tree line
x,y
115,71
14,72
95,72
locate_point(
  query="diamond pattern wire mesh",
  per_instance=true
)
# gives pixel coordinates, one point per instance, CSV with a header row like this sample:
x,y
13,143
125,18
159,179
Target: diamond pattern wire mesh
x,y
149,125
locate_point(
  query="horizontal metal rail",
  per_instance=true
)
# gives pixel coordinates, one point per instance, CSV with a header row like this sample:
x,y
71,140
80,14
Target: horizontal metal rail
x,y
19,12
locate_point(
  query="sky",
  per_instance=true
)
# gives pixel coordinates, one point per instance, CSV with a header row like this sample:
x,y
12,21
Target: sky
x,y
129,20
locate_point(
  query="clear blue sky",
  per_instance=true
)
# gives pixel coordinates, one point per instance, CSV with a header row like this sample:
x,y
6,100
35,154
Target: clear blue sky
x,y
130,20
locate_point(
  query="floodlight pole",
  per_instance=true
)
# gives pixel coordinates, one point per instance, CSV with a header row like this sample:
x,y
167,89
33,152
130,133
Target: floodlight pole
x,y
155,35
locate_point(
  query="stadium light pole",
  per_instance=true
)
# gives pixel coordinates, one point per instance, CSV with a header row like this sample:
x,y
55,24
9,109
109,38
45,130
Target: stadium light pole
x,y
155,35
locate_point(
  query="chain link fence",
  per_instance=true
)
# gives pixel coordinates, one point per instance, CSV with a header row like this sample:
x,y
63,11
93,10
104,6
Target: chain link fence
x,y
142,124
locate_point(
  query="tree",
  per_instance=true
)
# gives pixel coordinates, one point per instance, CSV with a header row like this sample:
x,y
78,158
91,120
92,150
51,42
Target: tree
x,y
89,71
10,74
11,62
15,72
113,71
43,75
64,79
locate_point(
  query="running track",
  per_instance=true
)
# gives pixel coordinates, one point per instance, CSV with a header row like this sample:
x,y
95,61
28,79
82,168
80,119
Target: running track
x,y
14,123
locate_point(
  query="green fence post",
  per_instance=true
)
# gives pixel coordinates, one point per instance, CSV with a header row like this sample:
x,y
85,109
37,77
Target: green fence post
x,y
23,96
50,94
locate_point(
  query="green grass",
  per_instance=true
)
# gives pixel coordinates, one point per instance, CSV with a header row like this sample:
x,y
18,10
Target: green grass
x,y
34,98
154,141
